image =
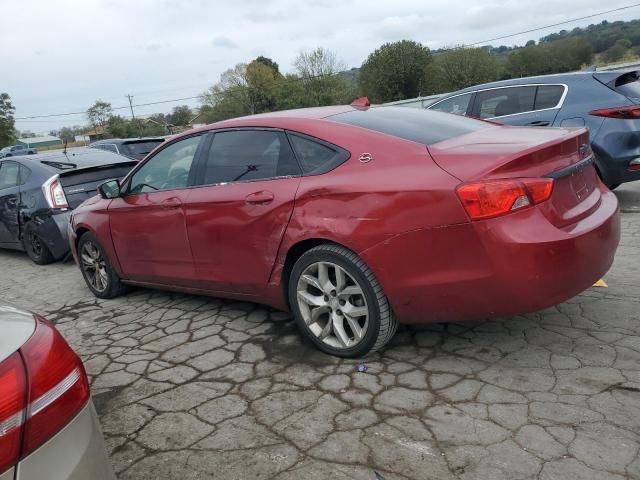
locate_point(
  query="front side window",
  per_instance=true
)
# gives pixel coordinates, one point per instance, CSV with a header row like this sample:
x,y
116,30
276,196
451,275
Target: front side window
x,y
499,102
168,169
458,104
245,155
9,174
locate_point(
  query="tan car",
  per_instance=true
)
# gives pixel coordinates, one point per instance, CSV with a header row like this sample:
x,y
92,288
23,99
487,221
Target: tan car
x,y
48,425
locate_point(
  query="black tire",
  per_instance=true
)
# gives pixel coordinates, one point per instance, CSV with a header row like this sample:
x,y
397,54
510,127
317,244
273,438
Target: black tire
x,y
108,284
35,246
381,323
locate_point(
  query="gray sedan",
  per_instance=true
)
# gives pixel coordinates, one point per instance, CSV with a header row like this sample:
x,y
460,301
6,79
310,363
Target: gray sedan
x,y
48,426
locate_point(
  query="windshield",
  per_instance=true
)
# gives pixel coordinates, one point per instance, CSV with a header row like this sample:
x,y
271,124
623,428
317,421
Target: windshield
x,y
139,150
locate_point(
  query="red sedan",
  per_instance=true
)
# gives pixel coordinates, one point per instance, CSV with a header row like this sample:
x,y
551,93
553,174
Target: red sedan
x,y
356,218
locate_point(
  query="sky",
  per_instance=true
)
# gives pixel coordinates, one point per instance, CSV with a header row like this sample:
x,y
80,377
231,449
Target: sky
x,y
60,56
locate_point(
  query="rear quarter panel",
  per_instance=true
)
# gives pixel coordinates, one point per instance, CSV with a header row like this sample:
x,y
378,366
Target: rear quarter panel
x,y
358,204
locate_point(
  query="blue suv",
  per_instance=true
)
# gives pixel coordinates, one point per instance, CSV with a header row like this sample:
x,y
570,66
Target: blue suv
x,y
607,102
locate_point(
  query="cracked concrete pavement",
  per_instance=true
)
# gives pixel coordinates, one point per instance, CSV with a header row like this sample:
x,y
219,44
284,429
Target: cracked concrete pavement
x,y
199,388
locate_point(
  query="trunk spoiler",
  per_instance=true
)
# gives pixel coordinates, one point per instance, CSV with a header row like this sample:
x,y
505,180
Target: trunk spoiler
x,y
96,168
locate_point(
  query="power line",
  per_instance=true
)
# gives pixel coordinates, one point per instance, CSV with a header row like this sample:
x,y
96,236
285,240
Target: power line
x,y
549,26
298,79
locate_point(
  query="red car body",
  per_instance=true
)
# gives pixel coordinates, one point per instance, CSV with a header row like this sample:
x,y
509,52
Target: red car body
x,y
394,202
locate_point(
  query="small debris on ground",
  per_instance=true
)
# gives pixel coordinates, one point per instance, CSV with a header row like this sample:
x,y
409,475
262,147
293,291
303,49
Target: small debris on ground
x,y
600,283
362,368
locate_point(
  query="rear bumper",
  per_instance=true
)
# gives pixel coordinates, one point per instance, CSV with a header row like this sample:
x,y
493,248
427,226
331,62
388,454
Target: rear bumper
x,y
504,266
52,229
77,452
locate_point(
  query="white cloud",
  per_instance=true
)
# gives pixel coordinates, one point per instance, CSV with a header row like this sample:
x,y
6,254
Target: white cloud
x,y
62,55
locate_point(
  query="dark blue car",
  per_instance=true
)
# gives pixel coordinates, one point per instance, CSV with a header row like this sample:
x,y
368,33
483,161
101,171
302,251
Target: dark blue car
x,y
606,102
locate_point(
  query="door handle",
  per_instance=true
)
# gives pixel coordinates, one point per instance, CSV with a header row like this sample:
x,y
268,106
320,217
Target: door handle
x,y
171,203
539,123
259,198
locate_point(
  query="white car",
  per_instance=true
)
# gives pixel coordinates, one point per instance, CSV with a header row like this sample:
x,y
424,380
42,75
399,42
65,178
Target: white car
x,y
48,425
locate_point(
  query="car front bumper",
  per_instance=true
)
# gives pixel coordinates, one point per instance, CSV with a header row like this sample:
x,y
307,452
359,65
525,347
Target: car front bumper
x,y
510,265
77,452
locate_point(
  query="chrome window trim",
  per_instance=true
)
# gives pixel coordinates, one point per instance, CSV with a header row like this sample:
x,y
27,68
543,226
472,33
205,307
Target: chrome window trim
x,y
558,106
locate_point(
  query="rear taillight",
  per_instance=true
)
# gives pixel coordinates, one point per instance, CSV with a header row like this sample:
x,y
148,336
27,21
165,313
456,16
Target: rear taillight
x,y
498,197
631,112
54,194
13,402
57,387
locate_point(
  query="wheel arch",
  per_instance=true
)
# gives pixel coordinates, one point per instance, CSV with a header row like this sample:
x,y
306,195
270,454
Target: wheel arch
x,y
294,253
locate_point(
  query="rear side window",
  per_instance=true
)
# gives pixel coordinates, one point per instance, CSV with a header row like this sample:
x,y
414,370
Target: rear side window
x,y
548,96
245,155
499,102
25,173
9,174
414,124
628,85
316,157
109,147
457,105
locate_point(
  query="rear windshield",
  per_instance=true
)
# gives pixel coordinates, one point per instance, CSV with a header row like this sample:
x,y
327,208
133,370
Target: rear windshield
x,y
138,149
628,85
418,125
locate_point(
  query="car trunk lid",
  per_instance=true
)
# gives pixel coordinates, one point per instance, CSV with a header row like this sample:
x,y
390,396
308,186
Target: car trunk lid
x,y
81,183
520,152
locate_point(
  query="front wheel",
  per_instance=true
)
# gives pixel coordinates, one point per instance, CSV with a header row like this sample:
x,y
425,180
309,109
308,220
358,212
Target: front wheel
x,y
96,269
338,303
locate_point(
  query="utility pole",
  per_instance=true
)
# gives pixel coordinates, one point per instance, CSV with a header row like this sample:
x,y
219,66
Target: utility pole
x,y
133,117
130,98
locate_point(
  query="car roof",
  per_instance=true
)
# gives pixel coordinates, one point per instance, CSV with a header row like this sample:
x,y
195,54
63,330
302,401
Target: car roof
x,y
276,119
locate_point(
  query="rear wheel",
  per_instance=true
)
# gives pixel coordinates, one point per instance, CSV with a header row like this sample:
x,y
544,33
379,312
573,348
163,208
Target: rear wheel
x,y
338,303
35,247
96,269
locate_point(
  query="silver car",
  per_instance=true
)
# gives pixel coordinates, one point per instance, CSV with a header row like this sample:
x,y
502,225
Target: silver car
x,y
48,425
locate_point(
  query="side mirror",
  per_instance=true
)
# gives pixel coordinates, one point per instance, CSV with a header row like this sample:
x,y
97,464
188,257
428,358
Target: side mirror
x,y
109,189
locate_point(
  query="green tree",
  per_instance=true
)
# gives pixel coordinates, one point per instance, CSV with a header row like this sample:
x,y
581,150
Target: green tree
x,y
565,55
617,51
460,68
7,123
180,115
99,114
395,71
318,71
268,63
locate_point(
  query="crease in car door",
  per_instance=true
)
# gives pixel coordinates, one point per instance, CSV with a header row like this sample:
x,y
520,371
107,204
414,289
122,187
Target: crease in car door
x,y
148,227
237,220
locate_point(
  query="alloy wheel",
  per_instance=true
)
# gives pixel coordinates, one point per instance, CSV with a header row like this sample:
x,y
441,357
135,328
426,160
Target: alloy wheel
x,y
94,266
333,305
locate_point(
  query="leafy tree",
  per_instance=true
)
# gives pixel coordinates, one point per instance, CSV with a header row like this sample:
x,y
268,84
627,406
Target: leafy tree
x,y
616,52
559,56
317,71
181,115
68,134
26,134
268,63
99,114
395,71
460,68
7,123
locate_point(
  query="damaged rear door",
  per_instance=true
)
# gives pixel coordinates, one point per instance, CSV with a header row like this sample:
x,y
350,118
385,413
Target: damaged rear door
x,y
236,216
